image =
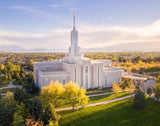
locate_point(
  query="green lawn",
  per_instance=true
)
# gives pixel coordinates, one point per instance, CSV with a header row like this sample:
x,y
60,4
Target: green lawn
x,y
102,98
120,113
3,82
97,91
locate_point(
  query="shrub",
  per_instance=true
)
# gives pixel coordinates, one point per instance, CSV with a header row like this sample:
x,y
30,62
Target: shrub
x,y
139,100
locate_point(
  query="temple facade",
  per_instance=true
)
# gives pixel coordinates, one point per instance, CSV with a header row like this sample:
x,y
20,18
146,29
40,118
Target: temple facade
x,y
76,68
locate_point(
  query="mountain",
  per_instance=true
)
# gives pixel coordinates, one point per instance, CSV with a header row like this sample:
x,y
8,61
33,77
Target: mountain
x,y
133,47
125,47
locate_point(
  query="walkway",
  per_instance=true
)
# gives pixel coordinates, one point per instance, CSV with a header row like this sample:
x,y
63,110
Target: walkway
x,y
101,94
95,104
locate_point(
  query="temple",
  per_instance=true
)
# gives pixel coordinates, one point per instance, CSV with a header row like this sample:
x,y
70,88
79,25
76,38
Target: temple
x,y
76,68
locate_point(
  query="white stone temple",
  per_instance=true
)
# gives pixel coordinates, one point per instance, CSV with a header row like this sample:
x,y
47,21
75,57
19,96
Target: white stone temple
x,y
76,68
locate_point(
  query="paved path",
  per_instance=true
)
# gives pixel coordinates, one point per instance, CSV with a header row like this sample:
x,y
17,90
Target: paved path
x,y
95,104
100,94
14,86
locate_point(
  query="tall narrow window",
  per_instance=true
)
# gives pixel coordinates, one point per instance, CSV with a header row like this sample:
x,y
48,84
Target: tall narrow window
x,y
86,81
75,46
105,80
98,76
86,69
46,81
64,81
75,75
86,76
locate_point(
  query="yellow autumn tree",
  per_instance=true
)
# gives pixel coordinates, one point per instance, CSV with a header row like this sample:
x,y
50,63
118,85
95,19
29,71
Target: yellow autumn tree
x,y
75,95
130,88
53,93
116,88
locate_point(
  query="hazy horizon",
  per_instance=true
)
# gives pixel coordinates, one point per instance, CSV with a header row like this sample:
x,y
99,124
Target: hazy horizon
x,y
47,24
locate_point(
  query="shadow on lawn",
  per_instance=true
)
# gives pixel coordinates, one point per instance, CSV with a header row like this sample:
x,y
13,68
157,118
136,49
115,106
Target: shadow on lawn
x,y
120,113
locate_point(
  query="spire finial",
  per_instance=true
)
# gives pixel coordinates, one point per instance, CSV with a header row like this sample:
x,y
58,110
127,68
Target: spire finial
x,y
73,20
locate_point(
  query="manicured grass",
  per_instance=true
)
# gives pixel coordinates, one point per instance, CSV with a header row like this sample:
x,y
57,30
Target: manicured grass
x,y
102,98
3,82
119,113
97,91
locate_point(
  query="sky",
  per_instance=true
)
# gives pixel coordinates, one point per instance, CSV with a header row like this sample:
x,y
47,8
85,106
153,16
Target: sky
x,y
101,23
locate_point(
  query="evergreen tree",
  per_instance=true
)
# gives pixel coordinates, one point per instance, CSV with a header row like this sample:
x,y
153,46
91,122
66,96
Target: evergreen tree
x,y
36,108
149,92
49,115
20,115
139,100
7,109
20,96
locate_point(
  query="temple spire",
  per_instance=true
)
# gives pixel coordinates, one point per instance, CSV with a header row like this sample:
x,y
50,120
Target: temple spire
x,y
73,20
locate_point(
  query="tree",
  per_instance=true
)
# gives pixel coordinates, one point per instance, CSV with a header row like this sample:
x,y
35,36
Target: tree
x,y
9,76
139,100
130,88
53,93
7,109
2,67
17,76
149,92
116,88
20,96
75,95
36,109
158,79
18,120
123,84
20,115
6,76
136,59
23,75
156,90
50,115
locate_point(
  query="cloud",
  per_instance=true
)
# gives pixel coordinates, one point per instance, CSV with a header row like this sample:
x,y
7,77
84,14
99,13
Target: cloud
x,y
32,10
89,36
7,42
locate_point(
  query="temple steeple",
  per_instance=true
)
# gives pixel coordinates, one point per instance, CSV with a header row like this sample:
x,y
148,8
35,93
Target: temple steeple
x,y
74,21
